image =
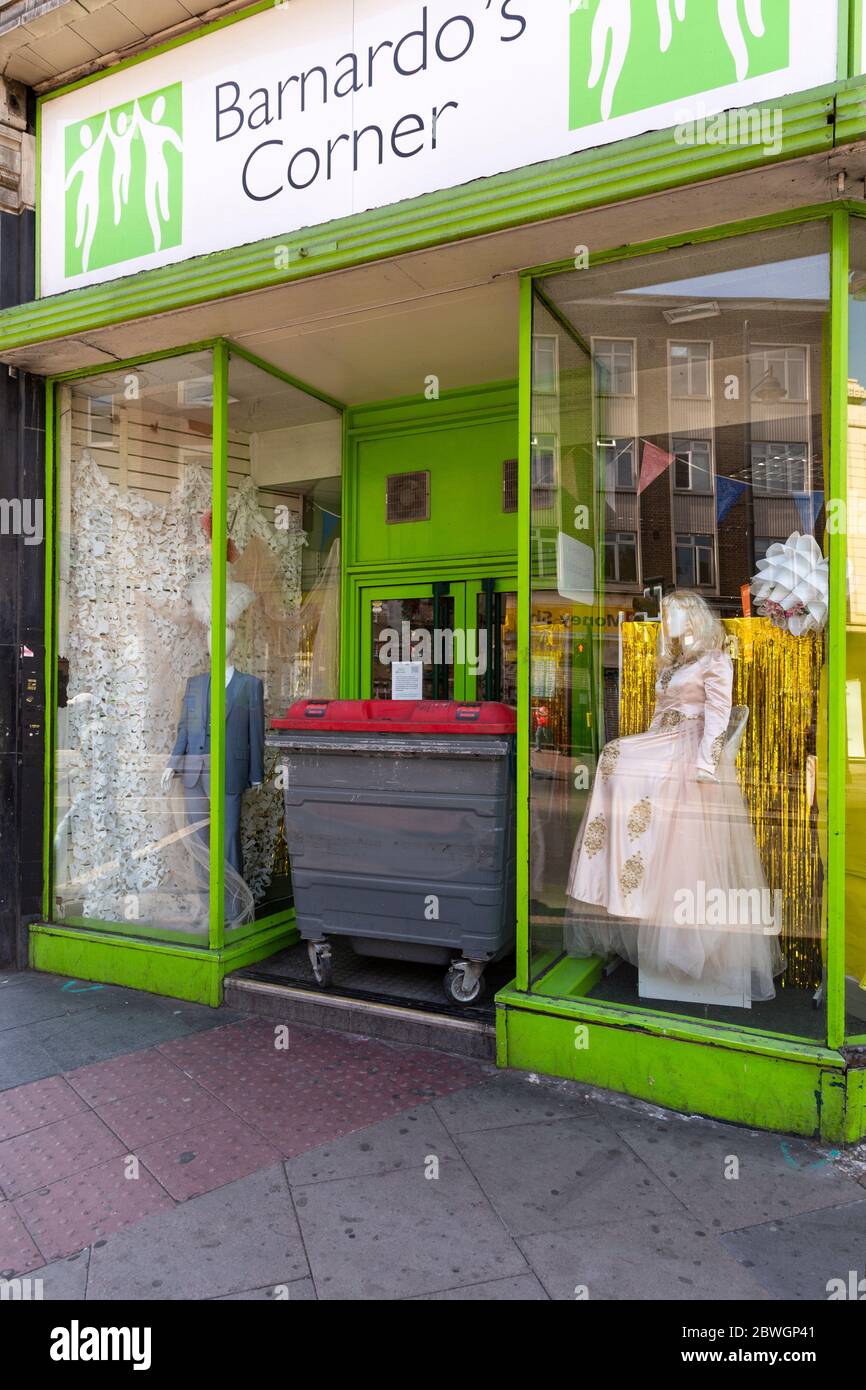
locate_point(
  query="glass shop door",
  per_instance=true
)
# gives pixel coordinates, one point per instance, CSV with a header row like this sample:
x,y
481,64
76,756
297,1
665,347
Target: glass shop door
x,y
458,636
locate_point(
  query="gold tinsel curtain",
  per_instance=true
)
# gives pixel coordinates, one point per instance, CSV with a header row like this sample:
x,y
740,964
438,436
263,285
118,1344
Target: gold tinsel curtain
x,y
778,677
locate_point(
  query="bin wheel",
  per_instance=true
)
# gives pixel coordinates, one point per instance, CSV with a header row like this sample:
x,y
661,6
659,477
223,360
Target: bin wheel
x,y
320,960
463,986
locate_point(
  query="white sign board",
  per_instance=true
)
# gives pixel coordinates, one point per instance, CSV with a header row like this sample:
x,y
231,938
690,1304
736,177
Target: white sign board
x,y
316,109
407,680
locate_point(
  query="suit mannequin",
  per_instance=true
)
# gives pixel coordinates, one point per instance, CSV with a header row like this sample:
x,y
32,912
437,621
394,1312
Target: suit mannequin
x,y
244,749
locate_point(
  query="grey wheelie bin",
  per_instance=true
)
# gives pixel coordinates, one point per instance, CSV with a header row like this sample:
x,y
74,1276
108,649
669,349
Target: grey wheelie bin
x,y
399,818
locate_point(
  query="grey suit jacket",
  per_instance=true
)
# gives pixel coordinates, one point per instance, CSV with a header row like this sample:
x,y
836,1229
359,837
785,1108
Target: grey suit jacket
x,y
245,733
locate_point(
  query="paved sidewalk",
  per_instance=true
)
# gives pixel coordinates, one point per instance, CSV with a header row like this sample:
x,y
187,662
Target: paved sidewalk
x,y
156,1150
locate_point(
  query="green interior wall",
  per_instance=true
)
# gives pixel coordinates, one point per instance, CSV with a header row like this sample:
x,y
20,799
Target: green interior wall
x,y
463,439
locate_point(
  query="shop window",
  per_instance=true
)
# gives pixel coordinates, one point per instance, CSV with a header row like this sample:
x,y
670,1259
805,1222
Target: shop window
x,y
689,365
855,712
134,630
620,557
694,561
407,497
779,469
678,698
693,465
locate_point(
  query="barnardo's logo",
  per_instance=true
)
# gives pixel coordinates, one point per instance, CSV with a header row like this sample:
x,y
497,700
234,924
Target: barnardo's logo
x,y
631,55
124,182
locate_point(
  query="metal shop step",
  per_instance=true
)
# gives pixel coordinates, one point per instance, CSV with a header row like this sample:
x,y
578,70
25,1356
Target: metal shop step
x,y
421,1027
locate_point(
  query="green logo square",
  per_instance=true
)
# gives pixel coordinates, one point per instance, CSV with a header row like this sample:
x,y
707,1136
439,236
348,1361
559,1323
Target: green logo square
x,y
631,55
124,182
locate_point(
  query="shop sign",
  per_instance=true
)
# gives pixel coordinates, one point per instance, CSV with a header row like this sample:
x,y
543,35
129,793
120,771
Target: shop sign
x,y
310,111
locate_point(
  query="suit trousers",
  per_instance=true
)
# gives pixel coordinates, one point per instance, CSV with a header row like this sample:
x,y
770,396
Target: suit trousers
x,y
197,808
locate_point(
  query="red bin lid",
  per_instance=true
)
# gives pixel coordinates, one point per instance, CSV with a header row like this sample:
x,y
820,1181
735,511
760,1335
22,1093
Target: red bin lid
x,y
399,717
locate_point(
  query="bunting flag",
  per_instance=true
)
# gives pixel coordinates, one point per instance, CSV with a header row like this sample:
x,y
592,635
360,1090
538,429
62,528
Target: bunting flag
x,y
653,463
728,491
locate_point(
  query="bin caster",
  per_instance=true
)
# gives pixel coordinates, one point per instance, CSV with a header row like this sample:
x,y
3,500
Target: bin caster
x,y
464,983
320,959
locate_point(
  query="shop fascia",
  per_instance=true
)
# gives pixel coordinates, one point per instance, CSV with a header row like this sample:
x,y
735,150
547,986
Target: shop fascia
x,y
281,102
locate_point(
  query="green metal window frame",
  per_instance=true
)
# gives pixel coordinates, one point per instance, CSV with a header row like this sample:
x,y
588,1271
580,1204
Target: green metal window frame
x,y
837,217
264,935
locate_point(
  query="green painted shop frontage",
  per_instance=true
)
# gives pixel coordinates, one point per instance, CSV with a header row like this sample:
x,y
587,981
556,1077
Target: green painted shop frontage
x,y
525,390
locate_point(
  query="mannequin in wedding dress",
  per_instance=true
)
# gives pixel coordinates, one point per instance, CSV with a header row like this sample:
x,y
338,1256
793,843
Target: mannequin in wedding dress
x,y
667,832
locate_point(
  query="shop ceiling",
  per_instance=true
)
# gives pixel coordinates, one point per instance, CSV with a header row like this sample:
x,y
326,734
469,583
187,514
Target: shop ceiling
x,y
380,330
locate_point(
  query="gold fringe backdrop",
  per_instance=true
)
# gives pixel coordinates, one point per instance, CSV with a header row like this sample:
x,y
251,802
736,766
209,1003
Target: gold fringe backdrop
x,y
778,677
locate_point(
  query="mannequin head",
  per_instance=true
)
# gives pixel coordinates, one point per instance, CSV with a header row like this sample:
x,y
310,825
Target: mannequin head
x,y
689,628
230,643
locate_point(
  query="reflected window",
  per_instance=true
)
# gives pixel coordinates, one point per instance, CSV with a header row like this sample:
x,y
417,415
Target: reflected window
x,y
690,371
779,374
694,562
614,366
693,466
620,557
779,469
618,461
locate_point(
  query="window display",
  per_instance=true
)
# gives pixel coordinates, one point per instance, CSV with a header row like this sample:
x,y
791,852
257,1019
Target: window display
x,y
132,803
679,611
666,840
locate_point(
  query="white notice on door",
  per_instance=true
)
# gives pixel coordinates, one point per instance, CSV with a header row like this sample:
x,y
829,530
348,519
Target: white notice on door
x,y
407,680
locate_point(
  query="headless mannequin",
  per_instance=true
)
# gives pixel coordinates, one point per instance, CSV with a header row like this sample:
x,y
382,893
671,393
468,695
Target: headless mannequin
x,y
169,773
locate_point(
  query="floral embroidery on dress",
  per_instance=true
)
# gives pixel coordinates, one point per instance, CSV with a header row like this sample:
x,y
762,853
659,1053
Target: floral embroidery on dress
x,y
717,748
609,755
639,818
666,677
671,719
631,874
595,837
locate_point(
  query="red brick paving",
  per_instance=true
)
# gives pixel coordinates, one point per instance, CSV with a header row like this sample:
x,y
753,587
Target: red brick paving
x,y
197,1112
27,1107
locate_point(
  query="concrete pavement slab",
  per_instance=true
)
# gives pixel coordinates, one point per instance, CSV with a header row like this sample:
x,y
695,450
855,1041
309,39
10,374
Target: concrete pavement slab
x,y
399,1234
563,1173
730,1177
243,1236
522,1288
798,1257
299,1291
404,1141
510,1098
65,1280
672,1258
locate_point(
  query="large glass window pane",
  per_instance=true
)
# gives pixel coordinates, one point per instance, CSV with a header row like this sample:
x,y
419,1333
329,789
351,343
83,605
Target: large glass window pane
x,y
283,588
131,840
855,521
677,828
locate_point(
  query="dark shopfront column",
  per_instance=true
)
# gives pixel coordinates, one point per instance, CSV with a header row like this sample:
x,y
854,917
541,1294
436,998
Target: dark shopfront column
x,y
22,480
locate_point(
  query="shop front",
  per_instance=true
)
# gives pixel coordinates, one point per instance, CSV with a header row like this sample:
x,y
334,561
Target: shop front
x,y
577,427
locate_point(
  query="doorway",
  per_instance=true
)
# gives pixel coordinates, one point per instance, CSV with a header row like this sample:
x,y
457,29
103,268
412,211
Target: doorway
x,y
457,637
